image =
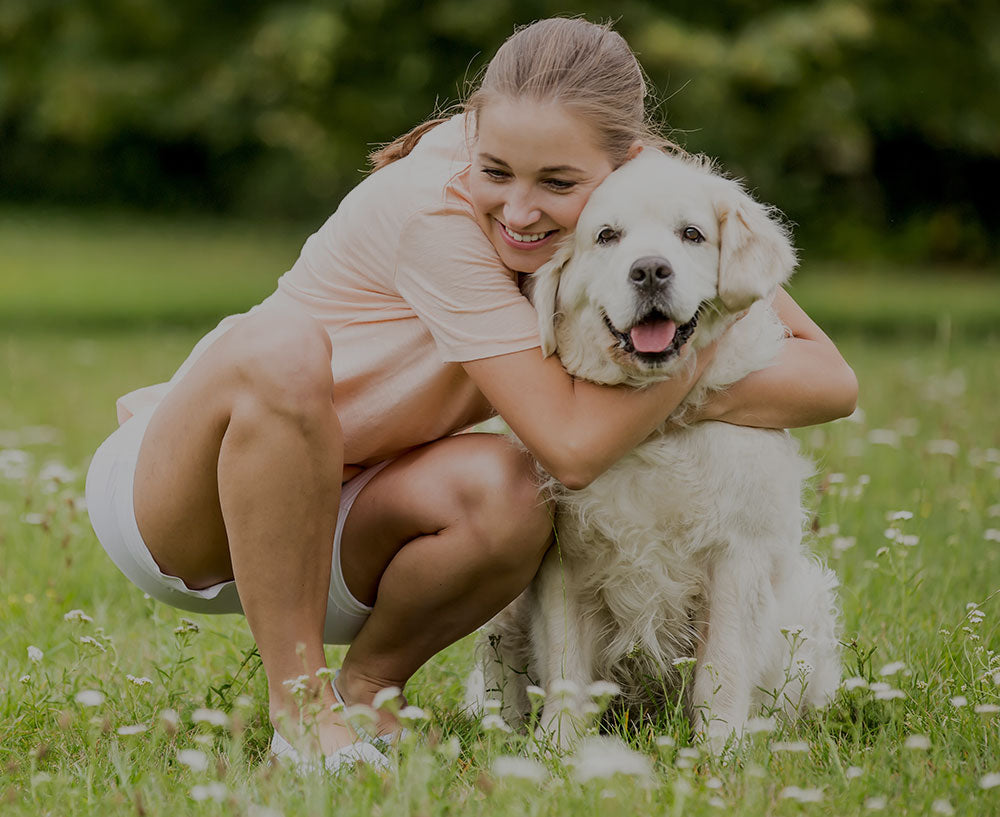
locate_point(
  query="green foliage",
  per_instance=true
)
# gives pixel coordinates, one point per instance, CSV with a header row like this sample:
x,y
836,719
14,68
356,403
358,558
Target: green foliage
x,y
857,117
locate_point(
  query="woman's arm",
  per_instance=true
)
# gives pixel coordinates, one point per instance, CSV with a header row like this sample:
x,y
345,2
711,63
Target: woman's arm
x,y
810,382
577,430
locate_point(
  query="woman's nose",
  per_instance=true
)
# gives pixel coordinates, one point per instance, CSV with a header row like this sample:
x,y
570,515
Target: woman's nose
x,y
520,210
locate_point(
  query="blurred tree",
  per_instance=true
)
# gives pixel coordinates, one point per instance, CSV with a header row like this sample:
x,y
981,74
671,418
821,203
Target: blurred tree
x,y
870,121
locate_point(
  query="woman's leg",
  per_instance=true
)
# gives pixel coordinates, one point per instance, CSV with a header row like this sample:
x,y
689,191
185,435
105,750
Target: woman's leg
x,y
239,477
438,542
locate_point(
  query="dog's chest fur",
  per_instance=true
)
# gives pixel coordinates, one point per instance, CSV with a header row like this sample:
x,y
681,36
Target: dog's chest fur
x,y
639,542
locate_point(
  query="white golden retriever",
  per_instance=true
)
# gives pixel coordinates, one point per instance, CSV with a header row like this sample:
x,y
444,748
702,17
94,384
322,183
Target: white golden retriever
x,y
691,545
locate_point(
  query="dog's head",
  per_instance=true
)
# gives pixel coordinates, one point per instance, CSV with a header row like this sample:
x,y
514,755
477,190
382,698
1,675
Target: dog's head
x,y
664,251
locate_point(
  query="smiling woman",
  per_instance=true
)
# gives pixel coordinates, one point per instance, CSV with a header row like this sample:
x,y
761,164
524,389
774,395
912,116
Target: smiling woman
x,y
302,465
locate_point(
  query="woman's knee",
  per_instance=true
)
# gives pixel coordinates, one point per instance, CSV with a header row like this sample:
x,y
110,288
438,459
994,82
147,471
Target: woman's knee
x,y
280,361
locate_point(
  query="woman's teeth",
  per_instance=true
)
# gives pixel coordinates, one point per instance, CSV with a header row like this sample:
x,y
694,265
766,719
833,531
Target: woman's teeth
x,y
524,238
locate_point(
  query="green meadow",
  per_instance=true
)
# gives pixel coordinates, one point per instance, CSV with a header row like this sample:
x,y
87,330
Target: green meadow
x,y
113,704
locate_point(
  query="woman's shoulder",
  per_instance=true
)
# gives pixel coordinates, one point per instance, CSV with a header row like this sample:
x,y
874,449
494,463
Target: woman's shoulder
x,y
429,178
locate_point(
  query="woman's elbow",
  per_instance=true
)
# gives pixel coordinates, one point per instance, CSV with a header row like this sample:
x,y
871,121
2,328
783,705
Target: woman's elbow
x,y
845,398
574,466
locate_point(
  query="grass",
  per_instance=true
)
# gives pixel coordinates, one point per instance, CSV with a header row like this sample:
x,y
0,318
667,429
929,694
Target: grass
x,y
927,442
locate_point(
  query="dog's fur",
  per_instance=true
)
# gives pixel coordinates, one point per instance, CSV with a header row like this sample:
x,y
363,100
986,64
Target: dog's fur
x,y
691,545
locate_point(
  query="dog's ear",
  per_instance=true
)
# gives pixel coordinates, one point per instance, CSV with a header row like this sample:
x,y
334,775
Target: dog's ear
x,y
544,291
755,253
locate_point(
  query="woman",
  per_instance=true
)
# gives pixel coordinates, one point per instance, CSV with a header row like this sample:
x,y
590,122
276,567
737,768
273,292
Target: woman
x,y
327,413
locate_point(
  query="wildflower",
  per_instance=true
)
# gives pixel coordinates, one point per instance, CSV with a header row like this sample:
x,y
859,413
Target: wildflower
x,y
56,472
991,535
713,783
186,626
33,518
563,687
717,802
942,806
603,689
194,759
909,540
855,682
385,696
535,694
987,709
213,717
492,706
896,516
883,436
917,742
835,479
324,673
412,714
76,615
794,632
875,803
35,655
756,725
494,723
947,447
888,694
25,679
665,741
450,749
892,669
959,701
520,768
135,729
89,697
93,642
171,720
360,715
211,791
853,772
602,757
789,746
140,681
989,781
684,661
842,543
802,795
296,685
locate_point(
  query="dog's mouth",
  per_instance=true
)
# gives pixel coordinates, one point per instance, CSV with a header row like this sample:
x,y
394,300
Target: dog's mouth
x,y
655,338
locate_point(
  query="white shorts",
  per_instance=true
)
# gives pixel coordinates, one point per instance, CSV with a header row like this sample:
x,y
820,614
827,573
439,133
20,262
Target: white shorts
x,y
109,502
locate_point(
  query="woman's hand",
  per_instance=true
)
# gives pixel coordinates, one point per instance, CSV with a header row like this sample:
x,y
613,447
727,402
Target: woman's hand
x,y
810,382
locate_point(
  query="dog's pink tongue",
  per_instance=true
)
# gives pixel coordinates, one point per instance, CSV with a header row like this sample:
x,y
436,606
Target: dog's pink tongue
x,y
653,336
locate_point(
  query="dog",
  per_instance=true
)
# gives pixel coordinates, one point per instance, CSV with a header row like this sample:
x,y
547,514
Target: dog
x,y
689,549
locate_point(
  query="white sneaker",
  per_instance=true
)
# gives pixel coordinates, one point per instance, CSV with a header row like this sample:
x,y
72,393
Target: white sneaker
x,y
346,757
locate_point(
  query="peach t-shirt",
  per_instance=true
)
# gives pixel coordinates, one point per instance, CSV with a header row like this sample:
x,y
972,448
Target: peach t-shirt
x,y
407,285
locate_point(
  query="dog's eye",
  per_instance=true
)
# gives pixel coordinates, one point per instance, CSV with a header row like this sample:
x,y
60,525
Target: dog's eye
x,y
693,234
608,235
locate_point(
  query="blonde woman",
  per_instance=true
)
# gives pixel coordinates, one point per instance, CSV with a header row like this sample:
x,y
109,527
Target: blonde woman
x,y
302,466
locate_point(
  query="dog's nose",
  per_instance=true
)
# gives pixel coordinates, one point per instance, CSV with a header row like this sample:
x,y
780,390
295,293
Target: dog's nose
x,y
650,272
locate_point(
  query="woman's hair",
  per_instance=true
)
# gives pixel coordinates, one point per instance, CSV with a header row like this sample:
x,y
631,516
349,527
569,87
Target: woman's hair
x,y
586,67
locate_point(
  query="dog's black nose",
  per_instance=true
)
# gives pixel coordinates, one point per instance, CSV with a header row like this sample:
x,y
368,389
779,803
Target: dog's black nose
x,y
650,272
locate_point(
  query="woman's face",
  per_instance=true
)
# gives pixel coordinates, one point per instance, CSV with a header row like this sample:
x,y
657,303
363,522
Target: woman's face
x,y
533,167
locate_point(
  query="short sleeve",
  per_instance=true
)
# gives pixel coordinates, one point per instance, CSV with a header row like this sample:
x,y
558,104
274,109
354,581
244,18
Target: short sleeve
x,y
450,275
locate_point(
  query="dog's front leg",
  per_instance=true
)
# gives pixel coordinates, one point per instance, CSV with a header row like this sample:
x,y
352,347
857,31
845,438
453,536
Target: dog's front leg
x,y
563,647
740,619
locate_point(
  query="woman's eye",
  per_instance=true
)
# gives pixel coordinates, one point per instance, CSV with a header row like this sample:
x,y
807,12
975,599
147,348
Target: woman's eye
x,y
608,235
559,184
693,234
493,173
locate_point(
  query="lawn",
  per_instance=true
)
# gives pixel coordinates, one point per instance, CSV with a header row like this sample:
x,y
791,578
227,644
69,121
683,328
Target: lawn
x,y
100,708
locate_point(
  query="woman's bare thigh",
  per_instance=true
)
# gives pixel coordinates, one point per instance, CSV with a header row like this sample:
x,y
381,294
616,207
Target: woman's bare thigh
x,y
176,494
